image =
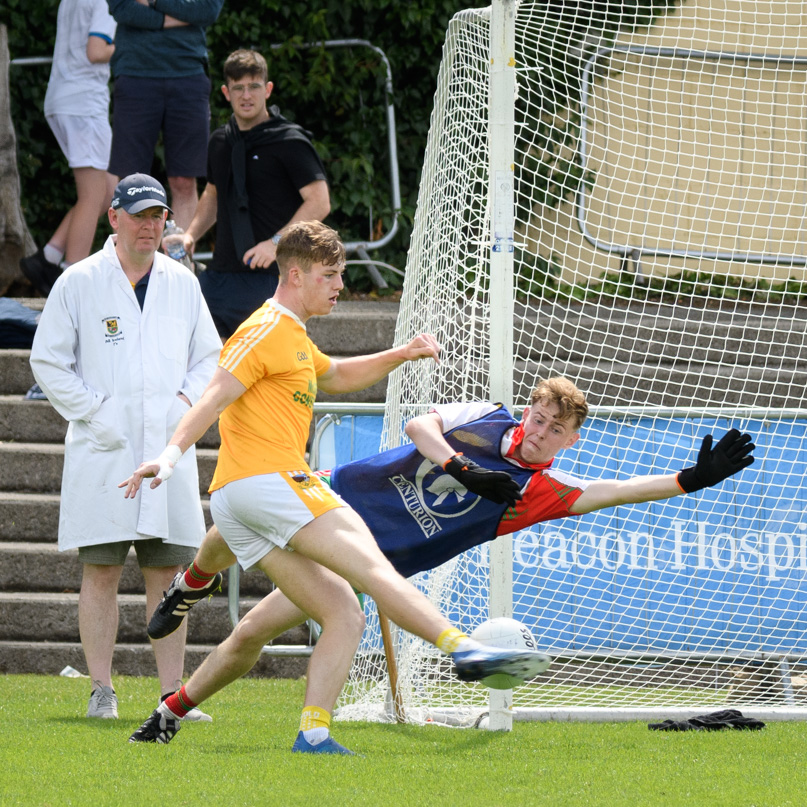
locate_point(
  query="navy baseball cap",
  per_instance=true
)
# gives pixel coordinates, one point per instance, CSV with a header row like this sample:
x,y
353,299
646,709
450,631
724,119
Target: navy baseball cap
x,y
138,192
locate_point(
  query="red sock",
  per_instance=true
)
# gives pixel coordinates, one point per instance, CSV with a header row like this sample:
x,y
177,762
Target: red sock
x,y
179,703
196,578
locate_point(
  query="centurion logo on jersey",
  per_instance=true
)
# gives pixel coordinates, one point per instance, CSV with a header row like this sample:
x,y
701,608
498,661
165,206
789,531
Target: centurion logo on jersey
x,y
685,546
432,496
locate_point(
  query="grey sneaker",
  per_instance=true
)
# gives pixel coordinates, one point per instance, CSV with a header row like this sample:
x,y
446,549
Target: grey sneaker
x,y
195,715
103,702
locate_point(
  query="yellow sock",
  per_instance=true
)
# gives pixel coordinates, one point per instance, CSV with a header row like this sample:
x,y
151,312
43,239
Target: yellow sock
x,y
449,640
315,718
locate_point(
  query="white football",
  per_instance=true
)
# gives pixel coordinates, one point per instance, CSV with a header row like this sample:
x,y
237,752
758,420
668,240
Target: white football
x,y
508,633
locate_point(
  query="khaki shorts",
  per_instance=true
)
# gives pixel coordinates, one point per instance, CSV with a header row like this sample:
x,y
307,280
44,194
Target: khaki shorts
x,y
150,552
259,513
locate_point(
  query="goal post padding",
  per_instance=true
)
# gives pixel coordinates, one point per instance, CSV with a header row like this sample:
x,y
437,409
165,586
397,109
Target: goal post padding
x,y
658,258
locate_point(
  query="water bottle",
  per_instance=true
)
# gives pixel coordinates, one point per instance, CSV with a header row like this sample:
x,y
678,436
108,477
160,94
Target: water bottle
x,y
173,244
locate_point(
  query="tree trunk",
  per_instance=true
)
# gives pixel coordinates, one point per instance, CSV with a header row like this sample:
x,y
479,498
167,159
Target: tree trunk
x,y
15,239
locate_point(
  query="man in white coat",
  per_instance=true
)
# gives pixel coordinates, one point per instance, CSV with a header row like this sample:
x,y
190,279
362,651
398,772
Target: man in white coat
x,y
124,347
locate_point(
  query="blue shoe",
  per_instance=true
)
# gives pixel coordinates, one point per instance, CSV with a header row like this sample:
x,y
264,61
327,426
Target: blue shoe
x,y
483,661
35,394
329,746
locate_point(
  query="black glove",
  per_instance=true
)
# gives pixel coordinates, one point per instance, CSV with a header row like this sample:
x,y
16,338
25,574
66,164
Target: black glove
x,y
727,719
498,486
730,455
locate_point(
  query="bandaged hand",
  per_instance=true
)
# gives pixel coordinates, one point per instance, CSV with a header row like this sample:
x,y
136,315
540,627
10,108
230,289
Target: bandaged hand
x,y
160,469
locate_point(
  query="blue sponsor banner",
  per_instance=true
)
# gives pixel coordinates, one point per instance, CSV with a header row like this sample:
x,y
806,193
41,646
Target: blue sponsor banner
x,y
721,571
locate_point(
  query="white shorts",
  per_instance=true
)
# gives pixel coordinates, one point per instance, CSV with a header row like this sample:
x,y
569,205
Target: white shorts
x,y
86,142
259,513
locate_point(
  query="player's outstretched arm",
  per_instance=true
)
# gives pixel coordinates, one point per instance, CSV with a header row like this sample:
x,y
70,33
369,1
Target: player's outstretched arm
x,y
223,389
733,452
359,372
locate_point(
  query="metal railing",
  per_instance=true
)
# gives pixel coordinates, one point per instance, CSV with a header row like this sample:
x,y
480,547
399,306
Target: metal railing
x,y
635,252
360,248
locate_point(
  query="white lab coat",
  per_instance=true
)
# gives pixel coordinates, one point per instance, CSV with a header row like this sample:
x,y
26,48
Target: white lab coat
x,y
114,373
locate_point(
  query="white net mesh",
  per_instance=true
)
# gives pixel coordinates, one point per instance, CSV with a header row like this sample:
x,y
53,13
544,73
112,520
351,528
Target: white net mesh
x,y
660,166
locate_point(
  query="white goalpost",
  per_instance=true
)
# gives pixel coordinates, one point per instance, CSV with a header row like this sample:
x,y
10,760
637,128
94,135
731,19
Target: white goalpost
x,y
619,195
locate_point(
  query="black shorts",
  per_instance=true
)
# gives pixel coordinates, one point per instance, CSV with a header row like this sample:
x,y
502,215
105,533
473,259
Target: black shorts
x,y
233,296
142,107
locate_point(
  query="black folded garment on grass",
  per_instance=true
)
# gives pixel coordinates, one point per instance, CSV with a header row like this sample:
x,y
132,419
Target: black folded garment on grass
x,y
727,719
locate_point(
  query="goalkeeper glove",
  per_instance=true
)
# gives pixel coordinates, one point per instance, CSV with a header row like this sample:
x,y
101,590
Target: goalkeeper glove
x,y
498,486
730,455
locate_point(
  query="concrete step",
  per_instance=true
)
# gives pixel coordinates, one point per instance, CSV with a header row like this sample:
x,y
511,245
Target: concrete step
x,y
24,421
51,657
16,379
353,328
29,516
42,616
15,371
39,631
618,384
37,467
35,516
767,336
41,567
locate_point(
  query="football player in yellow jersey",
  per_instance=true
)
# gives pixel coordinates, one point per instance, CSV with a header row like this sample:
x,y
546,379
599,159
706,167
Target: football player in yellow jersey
x,y
265,500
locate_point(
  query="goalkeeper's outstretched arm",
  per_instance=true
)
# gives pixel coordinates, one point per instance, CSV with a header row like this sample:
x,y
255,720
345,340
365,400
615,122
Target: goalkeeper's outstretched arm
x,y
732,453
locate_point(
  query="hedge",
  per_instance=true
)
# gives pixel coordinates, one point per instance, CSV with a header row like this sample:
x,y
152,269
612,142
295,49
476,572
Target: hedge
x,y
336,93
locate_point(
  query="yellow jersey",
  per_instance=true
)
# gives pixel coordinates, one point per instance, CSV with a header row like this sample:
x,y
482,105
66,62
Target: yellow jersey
x,y
266,429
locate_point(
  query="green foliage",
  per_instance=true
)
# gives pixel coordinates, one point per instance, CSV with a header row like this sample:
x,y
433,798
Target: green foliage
x,y
338,94
47,183
52,755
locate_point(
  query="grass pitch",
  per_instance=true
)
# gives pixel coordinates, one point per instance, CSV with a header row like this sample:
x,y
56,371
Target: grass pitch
x,y
51,755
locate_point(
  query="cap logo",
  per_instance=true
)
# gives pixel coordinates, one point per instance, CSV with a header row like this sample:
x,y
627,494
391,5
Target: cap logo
x,y
141,188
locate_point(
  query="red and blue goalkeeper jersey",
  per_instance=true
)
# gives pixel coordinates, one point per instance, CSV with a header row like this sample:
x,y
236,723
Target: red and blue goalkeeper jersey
x,y
421,516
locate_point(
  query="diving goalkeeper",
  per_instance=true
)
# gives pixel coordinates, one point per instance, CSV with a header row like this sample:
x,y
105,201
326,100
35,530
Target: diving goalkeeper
x,y
472,473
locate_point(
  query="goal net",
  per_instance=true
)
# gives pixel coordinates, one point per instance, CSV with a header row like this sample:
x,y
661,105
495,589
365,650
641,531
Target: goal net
x,y
631,216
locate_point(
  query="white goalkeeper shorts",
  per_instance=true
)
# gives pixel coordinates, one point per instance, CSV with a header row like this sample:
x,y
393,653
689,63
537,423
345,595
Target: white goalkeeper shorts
x,y
259,513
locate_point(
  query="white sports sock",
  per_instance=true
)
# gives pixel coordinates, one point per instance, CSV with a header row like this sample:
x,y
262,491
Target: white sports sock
x,y
467,644
52,254
167,712
317,735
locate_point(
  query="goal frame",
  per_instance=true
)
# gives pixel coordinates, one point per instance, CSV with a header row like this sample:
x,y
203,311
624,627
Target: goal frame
x,y
497,195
